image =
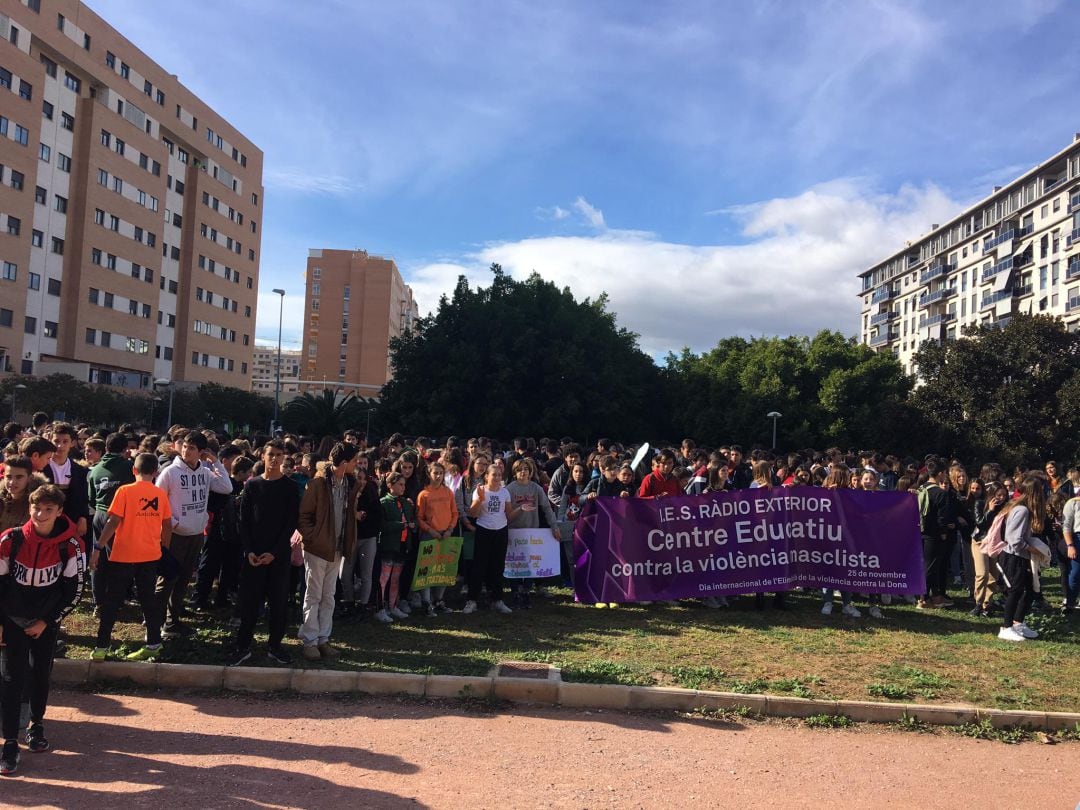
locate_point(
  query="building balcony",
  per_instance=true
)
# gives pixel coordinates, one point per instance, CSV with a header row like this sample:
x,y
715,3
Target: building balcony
x,y
992,299
936,320
1073,270
1013,233
1022,290
932,272
1005,264
1074,202
935,296
1073,304
883,317
1000,323
883,337
882,294
1073,237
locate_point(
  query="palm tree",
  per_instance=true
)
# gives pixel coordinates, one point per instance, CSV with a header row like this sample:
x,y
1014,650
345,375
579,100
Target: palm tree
x,y
322,415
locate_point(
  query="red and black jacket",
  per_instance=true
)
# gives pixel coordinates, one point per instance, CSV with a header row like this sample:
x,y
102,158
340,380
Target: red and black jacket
x,y
43,579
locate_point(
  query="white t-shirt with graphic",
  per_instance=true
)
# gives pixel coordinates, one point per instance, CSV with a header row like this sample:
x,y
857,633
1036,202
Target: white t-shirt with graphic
x,y
493,509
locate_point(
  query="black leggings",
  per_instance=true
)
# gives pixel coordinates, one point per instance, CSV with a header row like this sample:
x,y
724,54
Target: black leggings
x,y
15,663
489,562
936,560
1019,589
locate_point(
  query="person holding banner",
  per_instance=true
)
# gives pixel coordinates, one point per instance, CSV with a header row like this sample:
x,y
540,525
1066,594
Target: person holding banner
x,y
437,516
493,510
531,500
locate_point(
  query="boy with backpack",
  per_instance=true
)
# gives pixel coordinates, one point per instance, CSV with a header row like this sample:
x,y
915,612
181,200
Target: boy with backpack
x,y
41,575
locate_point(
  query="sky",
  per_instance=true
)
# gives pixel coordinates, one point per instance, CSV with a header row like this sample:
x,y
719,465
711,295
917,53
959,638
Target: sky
x,y
717,167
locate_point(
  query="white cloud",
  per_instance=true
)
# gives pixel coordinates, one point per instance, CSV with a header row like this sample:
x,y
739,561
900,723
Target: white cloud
x,y
797,274
292,323
297,179
592,216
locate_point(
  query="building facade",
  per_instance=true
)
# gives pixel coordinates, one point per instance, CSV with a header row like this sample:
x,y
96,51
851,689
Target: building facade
x,y
129,211
1018,250
264,371
355,303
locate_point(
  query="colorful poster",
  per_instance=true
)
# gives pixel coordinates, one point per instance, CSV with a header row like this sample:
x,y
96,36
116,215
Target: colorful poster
x,y
748,541
437,563
532,553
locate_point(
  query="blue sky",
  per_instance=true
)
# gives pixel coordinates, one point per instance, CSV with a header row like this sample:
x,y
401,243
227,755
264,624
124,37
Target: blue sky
x,y
717,167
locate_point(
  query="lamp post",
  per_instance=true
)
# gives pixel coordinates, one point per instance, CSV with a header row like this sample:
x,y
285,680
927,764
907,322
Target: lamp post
x,y
153,402
774,415
277,372
163,382
18,387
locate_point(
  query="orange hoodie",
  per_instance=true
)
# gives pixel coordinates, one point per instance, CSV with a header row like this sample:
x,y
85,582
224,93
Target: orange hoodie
x,y
436,510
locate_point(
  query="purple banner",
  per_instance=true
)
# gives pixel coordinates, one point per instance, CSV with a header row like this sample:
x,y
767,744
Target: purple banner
x,y
749,541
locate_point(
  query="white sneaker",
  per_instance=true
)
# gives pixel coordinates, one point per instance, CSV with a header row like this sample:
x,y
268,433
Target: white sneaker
x,y
501,607
384,617
826,609
852,611
1010,634
404,607
470,607
1025,631
875,612
398,613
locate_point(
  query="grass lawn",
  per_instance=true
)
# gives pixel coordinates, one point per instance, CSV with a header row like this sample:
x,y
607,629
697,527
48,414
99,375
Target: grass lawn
x,y
940,656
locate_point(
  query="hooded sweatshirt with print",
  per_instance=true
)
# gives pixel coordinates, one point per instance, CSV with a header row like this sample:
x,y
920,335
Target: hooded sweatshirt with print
x,y
189,492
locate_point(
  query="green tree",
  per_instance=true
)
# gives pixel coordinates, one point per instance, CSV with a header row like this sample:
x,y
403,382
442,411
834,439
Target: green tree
x,y
324,414
520,356
1004,394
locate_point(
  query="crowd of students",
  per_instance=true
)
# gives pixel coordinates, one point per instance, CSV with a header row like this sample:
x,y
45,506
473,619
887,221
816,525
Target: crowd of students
x,y
194,521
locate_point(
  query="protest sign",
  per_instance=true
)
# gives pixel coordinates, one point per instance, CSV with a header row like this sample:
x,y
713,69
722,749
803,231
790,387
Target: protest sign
x,y
748,541
531,553
437,563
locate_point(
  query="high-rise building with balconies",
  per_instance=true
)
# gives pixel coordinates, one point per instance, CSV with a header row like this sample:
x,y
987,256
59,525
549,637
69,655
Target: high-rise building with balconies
x,y
355,304
1018,250
129,211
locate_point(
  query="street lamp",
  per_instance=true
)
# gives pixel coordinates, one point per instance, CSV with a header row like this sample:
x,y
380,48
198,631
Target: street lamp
x,y
18,387
277,372
774,415
172,388
153,401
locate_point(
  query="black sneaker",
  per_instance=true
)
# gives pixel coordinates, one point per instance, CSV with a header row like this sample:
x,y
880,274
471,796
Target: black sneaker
x,y
176,629
9,760
278,654
35,738
239,657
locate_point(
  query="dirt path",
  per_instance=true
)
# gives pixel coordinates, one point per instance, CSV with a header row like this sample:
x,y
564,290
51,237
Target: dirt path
x,y
239,751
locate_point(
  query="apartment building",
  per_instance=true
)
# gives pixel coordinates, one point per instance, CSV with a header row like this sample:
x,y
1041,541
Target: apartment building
x,y
129,211
264,371
1018,250
354,304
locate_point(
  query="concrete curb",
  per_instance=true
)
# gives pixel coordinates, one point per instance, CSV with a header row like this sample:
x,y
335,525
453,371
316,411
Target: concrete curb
x,y
613,697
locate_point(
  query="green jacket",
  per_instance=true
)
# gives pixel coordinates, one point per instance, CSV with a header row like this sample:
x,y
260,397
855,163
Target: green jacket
x,y
107,476
398,532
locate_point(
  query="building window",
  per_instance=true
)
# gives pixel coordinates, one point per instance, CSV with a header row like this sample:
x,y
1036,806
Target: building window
x,y
118,185
30,325
35,281
95,256
67,122
106,139
91,336
50,330
99,216
125,71
44,152
6,317
58,246
160,98
47,110
37,238
61,204
14,225
119,146
114,222
110,59
11,271
22,135
106,339
63,162
73,83
52,286
26,90
110,262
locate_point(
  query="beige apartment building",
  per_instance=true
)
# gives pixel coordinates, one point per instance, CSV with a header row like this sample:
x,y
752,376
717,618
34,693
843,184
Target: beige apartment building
x,y
264,371
354,304
130,211
1018,250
